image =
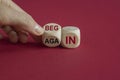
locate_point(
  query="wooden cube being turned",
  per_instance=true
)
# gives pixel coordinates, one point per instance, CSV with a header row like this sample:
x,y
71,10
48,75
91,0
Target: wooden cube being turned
x,y
52,35
70,37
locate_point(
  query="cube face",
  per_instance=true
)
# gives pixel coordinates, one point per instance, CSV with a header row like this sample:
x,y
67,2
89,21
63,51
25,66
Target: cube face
x,y
70,40
51,41
52,35
70,37
52,27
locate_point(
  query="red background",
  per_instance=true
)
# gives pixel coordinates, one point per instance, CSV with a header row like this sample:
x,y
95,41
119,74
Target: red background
x,y
98,57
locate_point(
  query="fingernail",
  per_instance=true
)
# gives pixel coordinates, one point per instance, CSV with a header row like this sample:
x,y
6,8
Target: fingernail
x,y
39,29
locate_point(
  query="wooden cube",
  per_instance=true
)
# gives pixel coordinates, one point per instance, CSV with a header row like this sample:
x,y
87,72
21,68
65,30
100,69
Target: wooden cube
x,y
52,35
70,37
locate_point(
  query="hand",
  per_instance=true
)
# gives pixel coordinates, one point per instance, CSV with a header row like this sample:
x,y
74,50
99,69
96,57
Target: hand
x,y
16,22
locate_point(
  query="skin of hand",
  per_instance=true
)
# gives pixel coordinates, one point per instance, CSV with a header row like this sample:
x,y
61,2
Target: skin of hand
x,y
18,20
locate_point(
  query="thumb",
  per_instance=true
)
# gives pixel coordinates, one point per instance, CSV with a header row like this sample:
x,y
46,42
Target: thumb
x,y
24,22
